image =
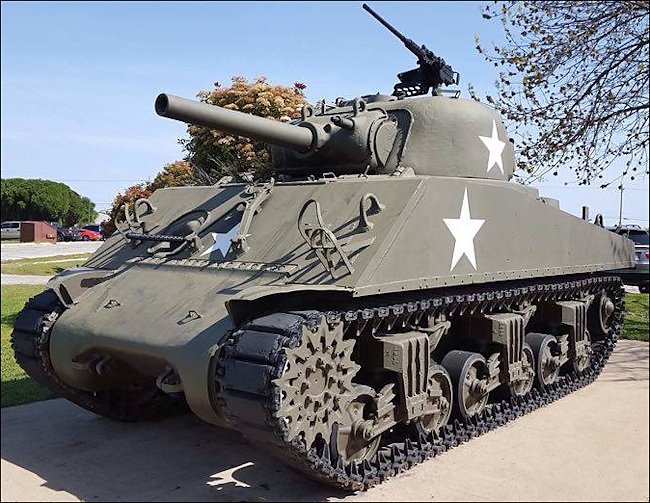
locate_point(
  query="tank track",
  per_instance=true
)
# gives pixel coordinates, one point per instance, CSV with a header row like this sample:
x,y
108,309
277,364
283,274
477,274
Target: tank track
x,y
30,342
253,357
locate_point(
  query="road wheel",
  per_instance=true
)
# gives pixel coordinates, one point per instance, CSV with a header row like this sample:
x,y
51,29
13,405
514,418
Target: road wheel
x,y
469,378
546,354
600,316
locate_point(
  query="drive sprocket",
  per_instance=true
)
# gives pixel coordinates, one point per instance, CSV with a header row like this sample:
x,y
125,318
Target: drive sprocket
x,y
316,385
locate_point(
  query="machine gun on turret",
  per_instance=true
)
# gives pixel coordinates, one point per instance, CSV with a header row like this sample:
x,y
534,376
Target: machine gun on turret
x,y
431,73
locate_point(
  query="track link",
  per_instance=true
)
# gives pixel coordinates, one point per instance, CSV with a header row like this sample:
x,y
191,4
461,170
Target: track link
x,y
254,356
30,342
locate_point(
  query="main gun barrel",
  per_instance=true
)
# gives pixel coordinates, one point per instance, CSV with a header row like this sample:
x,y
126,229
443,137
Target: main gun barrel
x,y
233,122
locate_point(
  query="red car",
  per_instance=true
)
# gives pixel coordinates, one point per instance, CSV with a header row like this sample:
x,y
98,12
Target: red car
x,y
88,235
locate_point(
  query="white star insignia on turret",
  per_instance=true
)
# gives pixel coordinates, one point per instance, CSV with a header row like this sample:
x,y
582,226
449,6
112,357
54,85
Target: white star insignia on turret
x,y
464,229
495,148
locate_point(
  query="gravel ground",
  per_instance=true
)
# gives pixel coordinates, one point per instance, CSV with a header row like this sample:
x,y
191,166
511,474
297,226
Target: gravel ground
x,y
589,446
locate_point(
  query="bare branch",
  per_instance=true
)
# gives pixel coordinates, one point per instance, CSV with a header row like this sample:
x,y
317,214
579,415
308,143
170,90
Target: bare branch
x,y
573,84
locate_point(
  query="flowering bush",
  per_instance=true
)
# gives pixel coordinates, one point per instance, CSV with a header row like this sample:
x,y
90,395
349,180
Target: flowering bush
x,y
212,154
175,174
222,154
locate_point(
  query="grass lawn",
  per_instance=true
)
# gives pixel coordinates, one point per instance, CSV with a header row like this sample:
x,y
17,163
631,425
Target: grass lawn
x,y
44,266
636,317
17,388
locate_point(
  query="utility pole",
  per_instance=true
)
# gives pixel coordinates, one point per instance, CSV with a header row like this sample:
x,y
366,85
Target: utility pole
x,y
620,206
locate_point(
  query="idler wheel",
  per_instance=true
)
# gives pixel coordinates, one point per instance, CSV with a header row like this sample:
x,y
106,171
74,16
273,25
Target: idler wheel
x,y
353,434
469,378
600,315
440,400
546,354
525,384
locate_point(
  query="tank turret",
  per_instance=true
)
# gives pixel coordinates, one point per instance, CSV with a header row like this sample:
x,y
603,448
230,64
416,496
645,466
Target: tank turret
x,y
375,134
358,138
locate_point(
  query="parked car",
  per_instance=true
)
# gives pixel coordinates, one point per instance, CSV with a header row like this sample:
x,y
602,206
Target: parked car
x,y
96,228
65,233
640,275
89,235
10,230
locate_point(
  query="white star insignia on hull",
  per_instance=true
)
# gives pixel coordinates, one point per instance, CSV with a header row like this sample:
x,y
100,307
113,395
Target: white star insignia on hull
x,y
464,229
222,242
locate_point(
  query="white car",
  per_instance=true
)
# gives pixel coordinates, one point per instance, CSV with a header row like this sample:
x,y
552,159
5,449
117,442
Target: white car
x,y
640,275
10,230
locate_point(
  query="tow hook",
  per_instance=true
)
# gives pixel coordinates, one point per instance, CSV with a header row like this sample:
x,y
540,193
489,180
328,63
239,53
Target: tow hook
x,y
169,381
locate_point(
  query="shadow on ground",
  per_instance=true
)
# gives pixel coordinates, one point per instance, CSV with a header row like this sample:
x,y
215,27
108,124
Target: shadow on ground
x,y
179,459
630,363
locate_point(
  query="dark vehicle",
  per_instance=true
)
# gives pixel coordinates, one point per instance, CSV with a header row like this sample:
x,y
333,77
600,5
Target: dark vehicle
x,y
640,275
65,233
388,295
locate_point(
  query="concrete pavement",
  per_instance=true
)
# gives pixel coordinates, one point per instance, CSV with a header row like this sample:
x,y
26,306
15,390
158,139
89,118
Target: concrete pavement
x,y
23,279
591,445
15,251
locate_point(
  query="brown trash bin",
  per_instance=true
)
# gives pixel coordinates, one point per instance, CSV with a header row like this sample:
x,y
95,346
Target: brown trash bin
x,y
37,232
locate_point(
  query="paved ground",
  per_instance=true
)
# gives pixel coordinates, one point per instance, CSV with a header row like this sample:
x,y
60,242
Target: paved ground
x,y
23,279
14,251
592,445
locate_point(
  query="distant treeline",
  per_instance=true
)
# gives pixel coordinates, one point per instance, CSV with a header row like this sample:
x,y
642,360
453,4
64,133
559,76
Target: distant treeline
x,y
28,199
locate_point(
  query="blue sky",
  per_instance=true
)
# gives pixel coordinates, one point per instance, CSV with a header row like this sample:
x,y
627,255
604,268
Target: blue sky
x,y
78,80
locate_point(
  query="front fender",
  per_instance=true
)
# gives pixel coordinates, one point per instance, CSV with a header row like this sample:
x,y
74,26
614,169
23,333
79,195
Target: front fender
x,y
71,283
259,299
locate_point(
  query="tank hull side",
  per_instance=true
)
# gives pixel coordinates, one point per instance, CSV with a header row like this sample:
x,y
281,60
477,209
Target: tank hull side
x,y
456,235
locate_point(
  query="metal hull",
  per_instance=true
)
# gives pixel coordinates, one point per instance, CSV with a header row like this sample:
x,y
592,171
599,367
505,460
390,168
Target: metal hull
x,y
157,313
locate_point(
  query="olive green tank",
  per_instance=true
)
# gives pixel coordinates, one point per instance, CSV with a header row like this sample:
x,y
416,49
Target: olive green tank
x,y
389,295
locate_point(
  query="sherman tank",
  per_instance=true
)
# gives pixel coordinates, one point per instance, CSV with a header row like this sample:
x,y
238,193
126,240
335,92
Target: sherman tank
x,y
389,295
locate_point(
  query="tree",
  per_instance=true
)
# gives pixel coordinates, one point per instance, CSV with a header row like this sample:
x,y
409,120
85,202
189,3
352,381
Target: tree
x,y
574,80
215,154
28,199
